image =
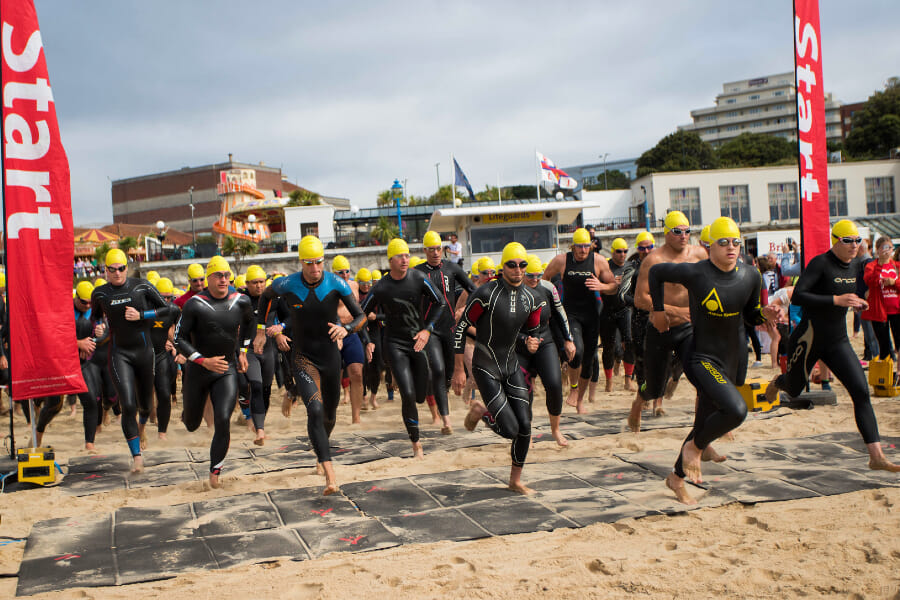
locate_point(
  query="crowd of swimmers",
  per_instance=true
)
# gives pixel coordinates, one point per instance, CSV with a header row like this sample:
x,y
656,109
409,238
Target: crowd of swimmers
x,y
425,327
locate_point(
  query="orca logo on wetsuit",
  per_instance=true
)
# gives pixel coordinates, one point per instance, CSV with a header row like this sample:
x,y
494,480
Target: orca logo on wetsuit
x,y
845,279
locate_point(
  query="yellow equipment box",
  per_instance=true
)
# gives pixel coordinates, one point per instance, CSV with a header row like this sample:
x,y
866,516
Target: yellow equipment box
x,y
36,465
881,377
754,393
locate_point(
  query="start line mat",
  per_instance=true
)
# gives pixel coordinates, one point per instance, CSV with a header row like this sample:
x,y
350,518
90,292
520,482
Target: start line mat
x,y
146,544
103,473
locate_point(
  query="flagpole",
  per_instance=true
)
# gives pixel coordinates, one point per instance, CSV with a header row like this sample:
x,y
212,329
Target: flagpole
x,y
499,193
537,178
9,387
452,181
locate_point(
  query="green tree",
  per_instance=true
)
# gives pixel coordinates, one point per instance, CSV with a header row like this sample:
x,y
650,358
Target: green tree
x,y
386,198
489,194
614,180
304,198
679,151
238,249
100,252
526,192
756,150
876,128
445,196
385,230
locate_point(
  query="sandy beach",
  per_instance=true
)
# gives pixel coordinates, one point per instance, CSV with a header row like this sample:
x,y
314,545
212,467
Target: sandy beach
x,y
844,545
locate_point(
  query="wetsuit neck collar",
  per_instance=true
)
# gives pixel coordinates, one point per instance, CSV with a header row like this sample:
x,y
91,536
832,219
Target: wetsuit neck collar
x,y
391,275
721,270
312,285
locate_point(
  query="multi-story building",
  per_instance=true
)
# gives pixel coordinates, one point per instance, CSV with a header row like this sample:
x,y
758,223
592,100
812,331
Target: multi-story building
x,y
169,196
759,105
592,173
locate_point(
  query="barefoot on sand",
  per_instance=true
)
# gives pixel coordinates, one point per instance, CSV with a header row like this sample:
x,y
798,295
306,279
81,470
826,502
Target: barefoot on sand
x,y
634,417
286,404
320,470
418,452
138,465
520,488
690,457
260,437
709,454
883,464
676,484
476,411
560,438
214,481
330,489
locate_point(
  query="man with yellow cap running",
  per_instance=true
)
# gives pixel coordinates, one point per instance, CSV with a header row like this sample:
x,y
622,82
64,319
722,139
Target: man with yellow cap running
x,y
658,345
312,296
825,290
196,278
500,311
585,275
214,332
129,306
353,354
722,296
615,321
162,333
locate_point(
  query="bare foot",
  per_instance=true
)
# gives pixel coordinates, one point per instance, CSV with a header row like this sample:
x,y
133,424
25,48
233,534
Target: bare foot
x,y
709,454
143,438
417,450
572,399
676,484
286,404
559,437
659,411
260,437
634,417
73,411
630,386
883,464
609,385
435,415
138,466
772,391
670,389
690,456
89,446
162,435
476,411
520,488
320,470
374,403
446,430
214,481
250,425
580,409
330,489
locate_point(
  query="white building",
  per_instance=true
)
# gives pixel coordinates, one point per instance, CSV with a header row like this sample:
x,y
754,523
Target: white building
x,y
759,105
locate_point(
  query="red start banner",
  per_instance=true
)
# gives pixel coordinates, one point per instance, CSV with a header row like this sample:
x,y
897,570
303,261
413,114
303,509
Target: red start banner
x,y
814,212
38,218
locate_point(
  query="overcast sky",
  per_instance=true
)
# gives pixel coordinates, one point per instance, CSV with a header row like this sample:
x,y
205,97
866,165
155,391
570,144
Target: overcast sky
x,y
347,96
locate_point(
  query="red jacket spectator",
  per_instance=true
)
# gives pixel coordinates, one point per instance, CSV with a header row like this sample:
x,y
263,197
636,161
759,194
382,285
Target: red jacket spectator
x,y
878,311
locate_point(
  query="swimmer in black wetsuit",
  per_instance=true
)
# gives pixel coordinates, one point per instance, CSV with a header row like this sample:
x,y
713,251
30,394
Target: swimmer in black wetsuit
x,y
84,334
400,295
129,306
584,273
722,296
260,366
448,279
499,311
312,296
162,334
538,355
214,325
825,290
616,319
353,355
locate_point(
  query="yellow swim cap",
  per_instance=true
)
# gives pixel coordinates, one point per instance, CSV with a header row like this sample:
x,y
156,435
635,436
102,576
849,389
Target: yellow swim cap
x,y
268,282
217,264
486,264
376,275
195,271
544,266
581,236
723,228
240,281
340,263
534,264
152,276
99,281
397,246
704,235
431,239
164,286
675,218
475,269
84,289
513,251
310,247
363,276
843,228
619,244
254,272
277,276
116,257
644,236
2,279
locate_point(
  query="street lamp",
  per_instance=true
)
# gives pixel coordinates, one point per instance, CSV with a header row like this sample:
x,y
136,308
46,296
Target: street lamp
x,y
397,194
251,224
161,235
646,209
605,183
193,231
437,172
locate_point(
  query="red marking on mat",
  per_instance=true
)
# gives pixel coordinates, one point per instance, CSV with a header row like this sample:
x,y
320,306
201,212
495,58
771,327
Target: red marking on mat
x,y
374,488
418,514
538,436
322,512
353,541
341,451
67,557
94,476
282,448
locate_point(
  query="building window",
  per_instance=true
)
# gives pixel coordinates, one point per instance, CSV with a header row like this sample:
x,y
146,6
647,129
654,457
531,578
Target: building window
x,y
837,197
779,107
731,101
754,97
880,195
732,128
735,202
783,202
778,93
687,200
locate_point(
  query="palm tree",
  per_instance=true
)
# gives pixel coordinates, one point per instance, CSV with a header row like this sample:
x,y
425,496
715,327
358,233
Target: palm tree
x,y
385,230
126,245
304,198
238,249
100,253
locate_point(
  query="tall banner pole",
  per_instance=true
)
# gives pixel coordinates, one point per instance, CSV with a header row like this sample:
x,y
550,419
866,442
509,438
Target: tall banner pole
x,y
537,177
812,148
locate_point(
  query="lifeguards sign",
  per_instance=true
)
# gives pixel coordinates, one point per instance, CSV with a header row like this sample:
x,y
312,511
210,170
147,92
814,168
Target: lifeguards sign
x,y
38,217
813,163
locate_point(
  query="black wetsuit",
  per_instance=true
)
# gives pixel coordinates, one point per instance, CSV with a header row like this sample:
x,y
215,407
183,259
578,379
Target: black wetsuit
x,y
260,372
448,279
90,398
499,312
211,327
714,362
165,369
582,309
131,359
822,335
373,368
401,302
544,362
316,360
616,317
639,318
